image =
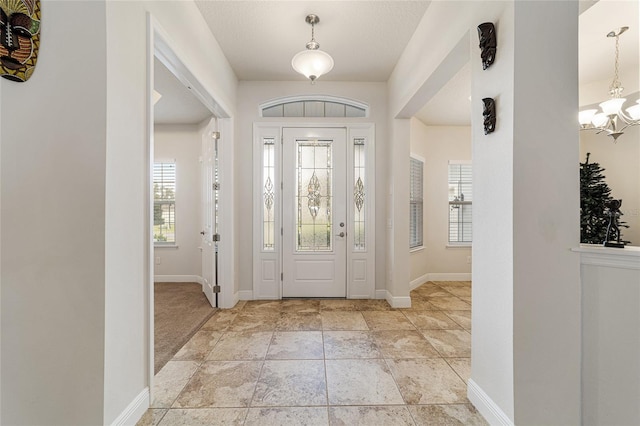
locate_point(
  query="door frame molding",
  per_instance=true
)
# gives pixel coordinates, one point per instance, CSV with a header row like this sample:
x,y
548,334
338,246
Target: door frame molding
x,y
267,265
161,46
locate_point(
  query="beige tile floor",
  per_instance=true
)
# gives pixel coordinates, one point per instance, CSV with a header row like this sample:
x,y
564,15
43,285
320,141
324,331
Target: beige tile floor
x,y
325,362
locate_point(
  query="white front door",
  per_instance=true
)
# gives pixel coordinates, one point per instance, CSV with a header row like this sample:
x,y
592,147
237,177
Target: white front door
x,y
209,213
314,212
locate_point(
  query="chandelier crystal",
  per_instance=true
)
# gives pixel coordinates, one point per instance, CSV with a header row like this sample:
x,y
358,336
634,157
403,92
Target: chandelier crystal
x,y
312,62
612,119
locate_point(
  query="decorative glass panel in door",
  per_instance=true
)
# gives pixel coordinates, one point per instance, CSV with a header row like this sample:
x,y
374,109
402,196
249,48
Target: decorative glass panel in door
x,y
313,197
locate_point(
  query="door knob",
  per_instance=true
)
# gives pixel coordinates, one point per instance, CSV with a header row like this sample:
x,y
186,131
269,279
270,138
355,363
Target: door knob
x,y
342,234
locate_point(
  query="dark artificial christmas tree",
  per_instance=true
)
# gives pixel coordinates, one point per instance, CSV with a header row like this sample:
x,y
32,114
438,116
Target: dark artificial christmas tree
x,y
594,195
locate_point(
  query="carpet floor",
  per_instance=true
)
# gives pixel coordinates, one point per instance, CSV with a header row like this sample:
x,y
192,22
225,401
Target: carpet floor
x,y
180,309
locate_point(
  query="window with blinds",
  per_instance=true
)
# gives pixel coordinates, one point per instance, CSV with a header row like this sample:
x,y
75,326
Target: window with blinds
x,y
460,202
164,203
415,202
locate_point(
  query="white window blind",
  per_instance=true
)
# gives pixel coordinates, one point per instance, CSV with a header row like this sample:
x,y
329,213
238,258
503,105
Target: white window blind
x,y
164,202
460,202
416,203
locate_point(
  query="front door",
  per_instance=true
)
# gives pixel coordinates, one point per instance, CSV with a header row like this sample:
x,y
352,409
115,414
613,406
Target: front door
x,y
314,212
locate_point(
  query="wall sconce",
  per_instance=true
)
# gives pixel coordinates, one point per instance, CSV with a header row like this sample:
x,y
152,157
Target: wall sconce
x,y
488,43
489,114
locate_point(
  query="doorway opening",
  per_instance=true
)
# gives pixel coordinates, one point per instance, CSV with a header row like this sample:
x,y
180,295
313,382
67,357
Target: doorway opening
x,y
188,206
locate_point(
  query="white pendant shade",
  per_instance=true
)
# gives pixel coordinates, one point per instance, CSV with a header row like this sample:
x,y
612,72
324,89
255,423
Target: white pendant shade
x,y
585,117
600,120
634,111
312,63
612,106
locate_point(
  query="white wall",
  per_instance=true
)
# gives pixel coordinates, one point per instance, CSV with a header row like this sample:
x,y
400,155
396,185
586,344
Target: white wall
x,y
73,279
611,342
546,281
250,95
182,143
0,255
438,145
526,198
622,163
53,225
492,356
525,278
127,310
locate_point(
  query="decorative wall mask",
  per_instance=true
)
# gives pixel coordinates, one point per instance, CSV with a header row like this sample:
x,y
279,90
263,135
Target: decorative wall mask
x,y
488,43
489,114
19,38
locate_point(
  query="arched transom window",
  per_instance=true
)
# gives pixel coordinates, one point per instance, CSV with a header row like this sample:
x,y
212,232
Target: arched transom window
x,y
314,106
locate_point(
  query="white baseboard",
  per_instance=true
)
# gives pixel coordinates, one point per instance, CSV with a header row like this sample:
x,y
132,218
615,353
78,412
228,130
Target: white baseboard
x,y
418,282
485,405
236,298
245,295
134,411
452,276
178,279
440,276
398,302
381,294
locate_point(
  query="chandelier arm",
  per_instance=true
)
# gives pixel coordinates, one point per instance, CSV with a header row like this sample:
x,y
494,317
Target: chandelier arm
x,y
595,129
627,119
609,126
598,130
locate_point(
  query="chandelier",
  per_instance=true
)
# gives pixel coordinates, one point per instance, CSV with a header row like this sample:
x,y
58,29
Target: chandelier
x,y
612,120
312,62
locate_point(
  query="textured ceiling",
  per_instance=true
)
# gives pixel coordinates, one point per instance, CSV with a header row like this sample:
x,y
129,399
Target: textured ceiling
x,y
177,104
365,38
597,51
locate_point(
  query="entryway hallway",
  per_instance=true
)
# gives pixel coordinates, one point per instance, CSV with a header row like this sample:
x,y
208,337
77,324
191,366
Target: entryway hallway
x,y
321,362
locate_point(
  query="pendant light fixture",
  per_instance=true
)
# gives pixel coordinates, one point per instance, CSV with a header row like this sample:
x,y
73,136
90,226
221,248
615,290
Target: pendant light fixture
x,y
612,120
312,62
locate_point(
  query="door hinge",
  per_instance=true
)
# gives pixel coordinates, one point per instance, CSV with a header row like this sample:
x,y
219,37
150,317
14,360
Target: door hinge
x,y
281,185
281,276
216,186
216,289
216,237
215,135
281,231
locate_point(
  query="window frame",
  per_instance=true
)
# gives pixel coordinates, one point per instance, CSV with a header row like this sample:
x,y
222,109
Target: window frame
x,y
450,243
418,243
162,161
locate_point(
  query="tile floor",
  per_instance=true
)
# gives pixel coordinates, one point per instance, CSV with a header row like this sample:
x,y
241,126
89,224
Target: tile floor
x,y
325,362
